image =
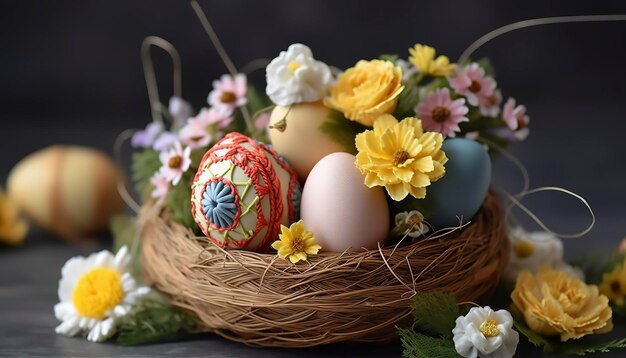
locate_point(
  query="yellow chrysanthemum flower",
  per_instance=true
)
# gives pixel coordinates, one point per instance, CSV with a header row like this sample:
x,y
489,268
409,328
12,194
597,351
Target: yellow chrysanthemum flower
x,y
613,284
555,303
400,156
13,229
423,58
295,243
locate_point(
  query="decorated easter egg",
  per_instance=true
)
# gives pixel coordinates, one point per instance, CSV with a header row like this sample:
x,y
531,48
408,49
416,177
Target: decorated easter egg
x,y
461,192
296,134
242,193
68,190
340,210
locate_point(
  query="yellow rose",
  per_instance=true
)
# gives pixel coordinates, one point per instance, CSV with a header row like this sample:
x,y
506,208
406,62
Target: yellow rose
x,y
556,303
366,91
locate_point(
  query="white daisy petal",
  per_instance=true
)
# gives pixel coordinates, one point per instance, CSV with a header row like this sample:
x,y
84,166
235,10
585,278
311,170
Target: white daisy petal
x,y
122,259
68,327
64,311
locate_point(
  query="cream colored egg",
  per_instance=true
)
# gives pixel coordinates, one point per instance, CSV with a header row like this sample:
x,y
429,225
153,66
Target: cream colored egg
x,y
298,138
68,190
340,210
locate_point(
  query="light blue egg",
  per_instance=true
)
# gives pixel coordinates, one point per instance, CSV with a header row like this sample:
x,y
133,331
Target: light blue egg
x,y
462,190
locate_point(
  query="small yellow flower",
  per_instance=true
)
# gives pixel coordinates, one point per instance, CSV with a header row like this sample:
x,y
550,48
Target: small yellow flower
x,y
557,303
366,91
13,229
423,58
294,242
614,284
400,157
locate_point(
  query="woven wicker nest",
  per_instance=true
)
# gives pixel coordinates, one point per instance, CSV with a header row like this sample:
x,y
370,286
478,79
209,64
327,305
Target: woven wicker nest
x,y
259,299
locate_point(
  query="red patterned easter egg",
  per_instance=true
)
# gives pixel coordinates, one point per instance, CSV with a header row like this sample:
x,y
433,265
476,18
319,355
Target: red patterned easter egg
x,y
242,192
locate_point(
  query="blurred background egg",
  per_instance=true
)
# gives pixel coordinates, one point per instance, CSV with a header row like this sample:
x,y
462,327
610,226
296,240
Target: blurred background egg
x,y
340,210
242,193
298,138
462,190
68,190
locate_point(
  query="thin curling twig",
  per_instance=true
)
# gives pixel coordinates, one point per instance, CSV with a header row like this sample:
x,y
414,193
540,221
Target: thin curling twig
x,y
117,155
534,22
150,76
230,66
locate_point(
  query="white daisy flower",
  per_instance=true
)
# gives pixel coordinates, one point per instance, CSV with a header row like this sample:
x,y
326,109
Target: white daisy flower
x,y
531,250
295,76
95,292
484,332
410,223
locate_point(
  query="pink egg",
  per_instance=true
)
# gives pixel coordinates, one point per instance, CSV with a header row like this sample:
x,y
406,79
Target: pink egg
x,y
340,210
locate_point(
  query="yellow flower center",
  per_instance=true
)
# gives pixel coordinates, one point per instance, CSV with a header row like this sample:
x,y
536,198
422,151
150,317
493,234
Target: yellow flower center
x,y
293,66
228,97
400,157
489,328
440,114
475,86
97,292
175,162
297,245
524,248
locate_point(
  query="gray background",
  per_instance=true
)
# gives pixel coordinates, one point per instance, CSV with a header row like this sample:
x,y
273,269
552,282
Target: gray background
x,y
70,73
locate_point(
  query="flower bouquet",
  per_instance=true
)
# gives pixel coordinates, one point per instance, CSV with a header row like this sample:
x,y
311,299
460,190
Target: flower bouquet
x,y
338,205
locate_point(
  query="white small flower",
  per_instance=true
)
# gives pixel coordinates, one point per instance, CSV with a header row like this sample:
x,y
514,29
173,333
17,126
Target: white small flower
x,y
295,76
410,223
94,293
484,333
531,250
179,109
175,162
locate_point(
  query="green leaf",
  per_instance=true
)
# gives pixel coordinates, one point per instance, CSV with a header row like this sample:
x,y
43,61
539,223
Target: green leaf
x,y
548,345
144,164
435,312
256,100
389,57
342,130
179,202
406,102
125,231
582,347
419,345
153,321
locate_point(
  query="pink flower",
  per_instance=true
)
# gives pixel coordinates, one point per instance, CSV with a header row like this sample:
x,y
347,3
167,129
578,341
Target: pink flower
x,y
197,132
175,161
471,82
147,137
161,185
221,117
439,113
194,136
490,106
229,92
262,121
164,141
515,116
